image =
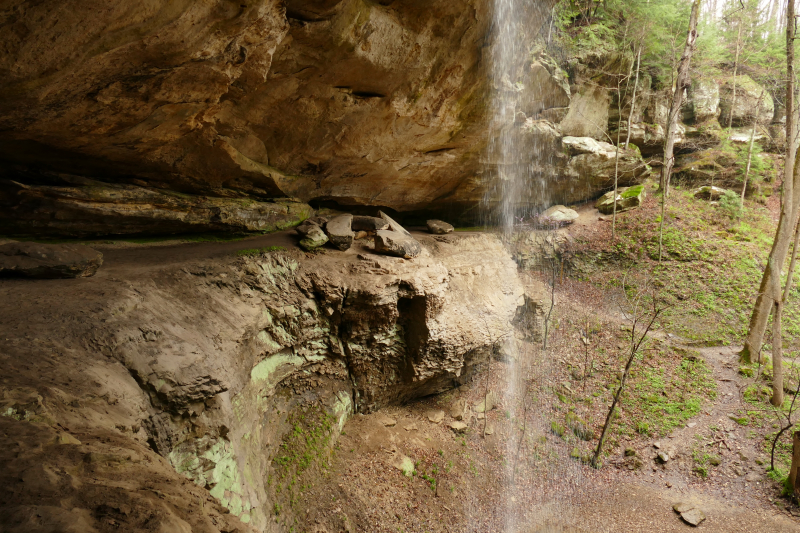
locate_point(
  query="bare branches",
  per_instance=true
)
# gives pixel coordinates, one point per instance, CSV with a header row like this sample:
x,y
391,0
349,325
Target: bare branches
x,y
642,317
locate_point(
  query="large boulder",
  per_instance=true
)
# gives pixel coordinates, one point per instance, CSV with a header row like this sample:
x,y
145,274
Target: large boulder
x,y
397,244
752,103
627,198
559,214
35,260
313,239
588,113
439,227
704,99
339,231
593,164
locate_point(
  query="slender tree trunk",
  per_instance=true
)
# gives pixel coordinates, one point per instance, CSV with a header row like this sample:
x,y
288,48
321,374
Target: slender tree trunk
x,y
793,470
735,68
633,99
777,342
780,245
681,83
750,150
790,274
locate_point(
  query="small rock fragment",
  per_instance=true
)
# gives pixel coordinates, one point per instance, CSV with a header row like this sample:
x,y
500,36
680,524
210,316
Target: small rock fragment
x,y
486,404
458,427
411,427
693,517
457,409
439,227
66,438
682,507
662,457
436,416
404,464
387,421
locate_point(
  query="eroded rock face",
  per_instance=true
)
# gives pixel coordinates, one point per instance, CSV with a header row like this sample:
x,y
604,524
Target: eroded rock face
x,y
752,103
204,366
78,207
373,103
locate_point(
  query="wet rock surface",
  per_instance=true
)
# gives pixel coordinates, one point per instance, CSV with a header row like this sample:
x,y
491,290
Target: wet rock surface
x,y
35,260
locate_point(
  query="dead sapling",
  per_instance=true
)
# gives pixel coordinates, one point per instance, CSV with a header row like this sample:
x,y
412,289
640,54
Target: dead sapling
x,y
585,340
642,317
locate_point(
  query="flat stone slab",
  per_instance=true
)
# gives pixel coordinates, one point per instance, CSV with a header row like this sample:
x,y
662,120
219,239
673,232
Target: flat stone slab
x,y
397,244
689,513
439,227
436,417
393,225
458,427
339,231
361,223
48,261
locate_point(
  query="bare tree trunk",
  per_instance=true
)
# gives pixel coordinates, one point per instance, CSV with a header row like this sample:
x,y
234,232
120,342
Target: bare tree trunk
x,y
633,99
681,84
793,470
780,246
777,342
750,150
735,68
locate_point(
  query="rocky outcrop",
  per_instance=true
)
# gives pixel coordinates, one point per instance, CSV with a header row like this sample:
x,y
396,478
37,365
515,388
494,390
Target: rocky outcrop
x,y
363,103
211,367
752,102
703,98
77,207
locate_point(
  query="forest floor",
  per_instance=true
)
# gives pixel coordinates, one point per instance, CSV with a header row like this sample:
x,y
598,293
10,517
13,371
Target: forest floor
x,y
687,396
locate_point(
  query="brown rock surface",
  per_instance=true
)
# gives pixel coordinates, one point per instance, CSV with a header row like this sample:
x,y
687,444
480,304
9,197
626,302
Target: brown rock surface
x,y
192,359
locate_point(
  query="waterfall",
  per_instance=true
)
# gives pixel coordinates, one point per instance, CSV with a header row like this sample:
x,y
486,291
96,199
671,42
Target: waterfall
x,y
518,193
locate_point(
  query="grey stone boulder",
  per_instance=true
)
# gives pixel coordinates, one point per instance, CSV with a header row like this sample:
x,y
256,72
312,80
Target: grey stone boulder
x,y
361,223
48,261
439,227
704,99
560,214
746,106
314,238
393,225
339,231
709,192
627,198
305,227
397,244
